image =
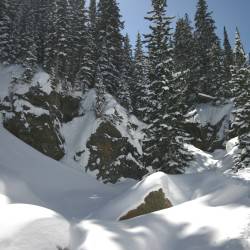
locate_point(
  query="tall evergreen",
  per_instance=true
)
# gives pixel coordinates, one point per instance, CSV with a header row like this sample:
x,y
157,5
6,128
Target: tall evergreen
x,y
206,39
27,49
228,59
127,74
139,89
59,43
241,124
240,57
184,58
163,149
239,70
100,94
109,43
81,59
6,26
183,44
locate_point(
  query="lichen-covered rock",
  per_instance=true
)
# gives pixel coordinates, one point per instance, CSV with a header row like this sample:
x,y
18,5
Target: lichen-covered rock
x,y
112,156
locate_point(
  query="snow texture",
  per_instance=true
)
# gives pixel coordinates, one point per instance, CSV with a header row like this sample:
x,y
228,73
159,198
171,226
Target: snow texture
x,y
211,208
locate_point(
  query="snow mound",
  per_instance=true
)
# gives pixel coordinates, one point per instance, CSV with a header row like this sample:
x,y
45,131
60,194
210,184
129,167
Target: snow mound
x,y
27,227
216,221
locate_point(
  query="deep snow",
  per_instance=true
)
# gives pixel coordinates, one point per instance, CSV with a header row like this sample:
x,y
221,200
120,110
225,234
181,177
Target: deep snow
x,y
211,209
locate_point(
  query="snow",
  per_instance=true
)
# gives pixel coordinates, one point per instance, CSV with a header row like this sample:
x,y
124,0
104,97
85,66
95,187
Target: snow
x,y
210,113
19,221
7,73
77,132
45,203
26,107
6,76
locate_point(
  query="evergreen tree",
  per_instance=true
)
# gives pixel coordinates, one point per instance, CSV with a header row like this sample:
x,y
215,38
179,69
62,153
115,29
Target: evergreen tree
x,y
163,148
6,26
241,123
240,58
42,11
239,70
206,39
82,64
139,89
183,44
228,59
27,49
100,94
109,44
184,58
127,74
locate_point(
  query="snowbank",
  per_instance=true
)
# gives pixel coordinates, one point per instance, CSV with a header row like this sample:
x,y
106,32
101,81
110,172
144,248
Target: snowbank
x,y
27,227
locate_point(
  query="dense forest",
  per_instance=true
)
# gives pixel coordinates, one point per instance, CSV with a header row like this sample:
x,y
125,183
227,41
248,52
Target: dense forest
x,y
168,72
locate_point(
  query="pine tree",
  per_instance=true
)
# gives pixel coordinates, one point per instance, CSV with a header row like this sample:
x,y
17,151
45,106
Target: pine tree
x,y
82,64
6,26
184,44
239,70
100,94
163,148
109,44
42,11
228,59
241,124
206,38
59,44
240,58
127,74
139,89
27,51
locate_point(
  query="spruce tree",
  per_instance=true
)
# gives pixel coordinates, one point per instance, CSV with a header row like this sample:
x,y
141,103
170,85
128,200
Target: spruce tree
x,y
184,58
240,58
241,123
6,32
127,74
228,59
164,150
82,64
109,44
59,47
239,69
139,89
100,94
27,49
206,39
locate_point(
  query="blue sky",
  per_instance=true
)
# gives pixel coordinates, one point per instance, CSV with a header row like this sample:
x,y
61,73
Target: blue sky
x,y
230,13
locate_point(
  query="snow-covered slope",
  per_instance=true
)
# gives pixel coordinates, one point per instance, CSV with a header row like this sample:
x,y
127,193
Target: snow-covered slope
x,y
87,136
211,209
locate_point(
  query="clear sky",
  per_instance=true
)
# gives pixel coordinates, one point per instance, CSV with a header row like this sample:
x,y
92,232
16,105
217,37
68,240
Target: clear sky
x,y
230,13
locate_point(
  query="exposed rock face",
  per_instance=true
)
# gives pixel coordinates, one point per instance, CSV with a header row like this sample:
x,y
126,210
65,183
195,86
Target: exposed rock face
x,y
112,155
36,117
154,201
